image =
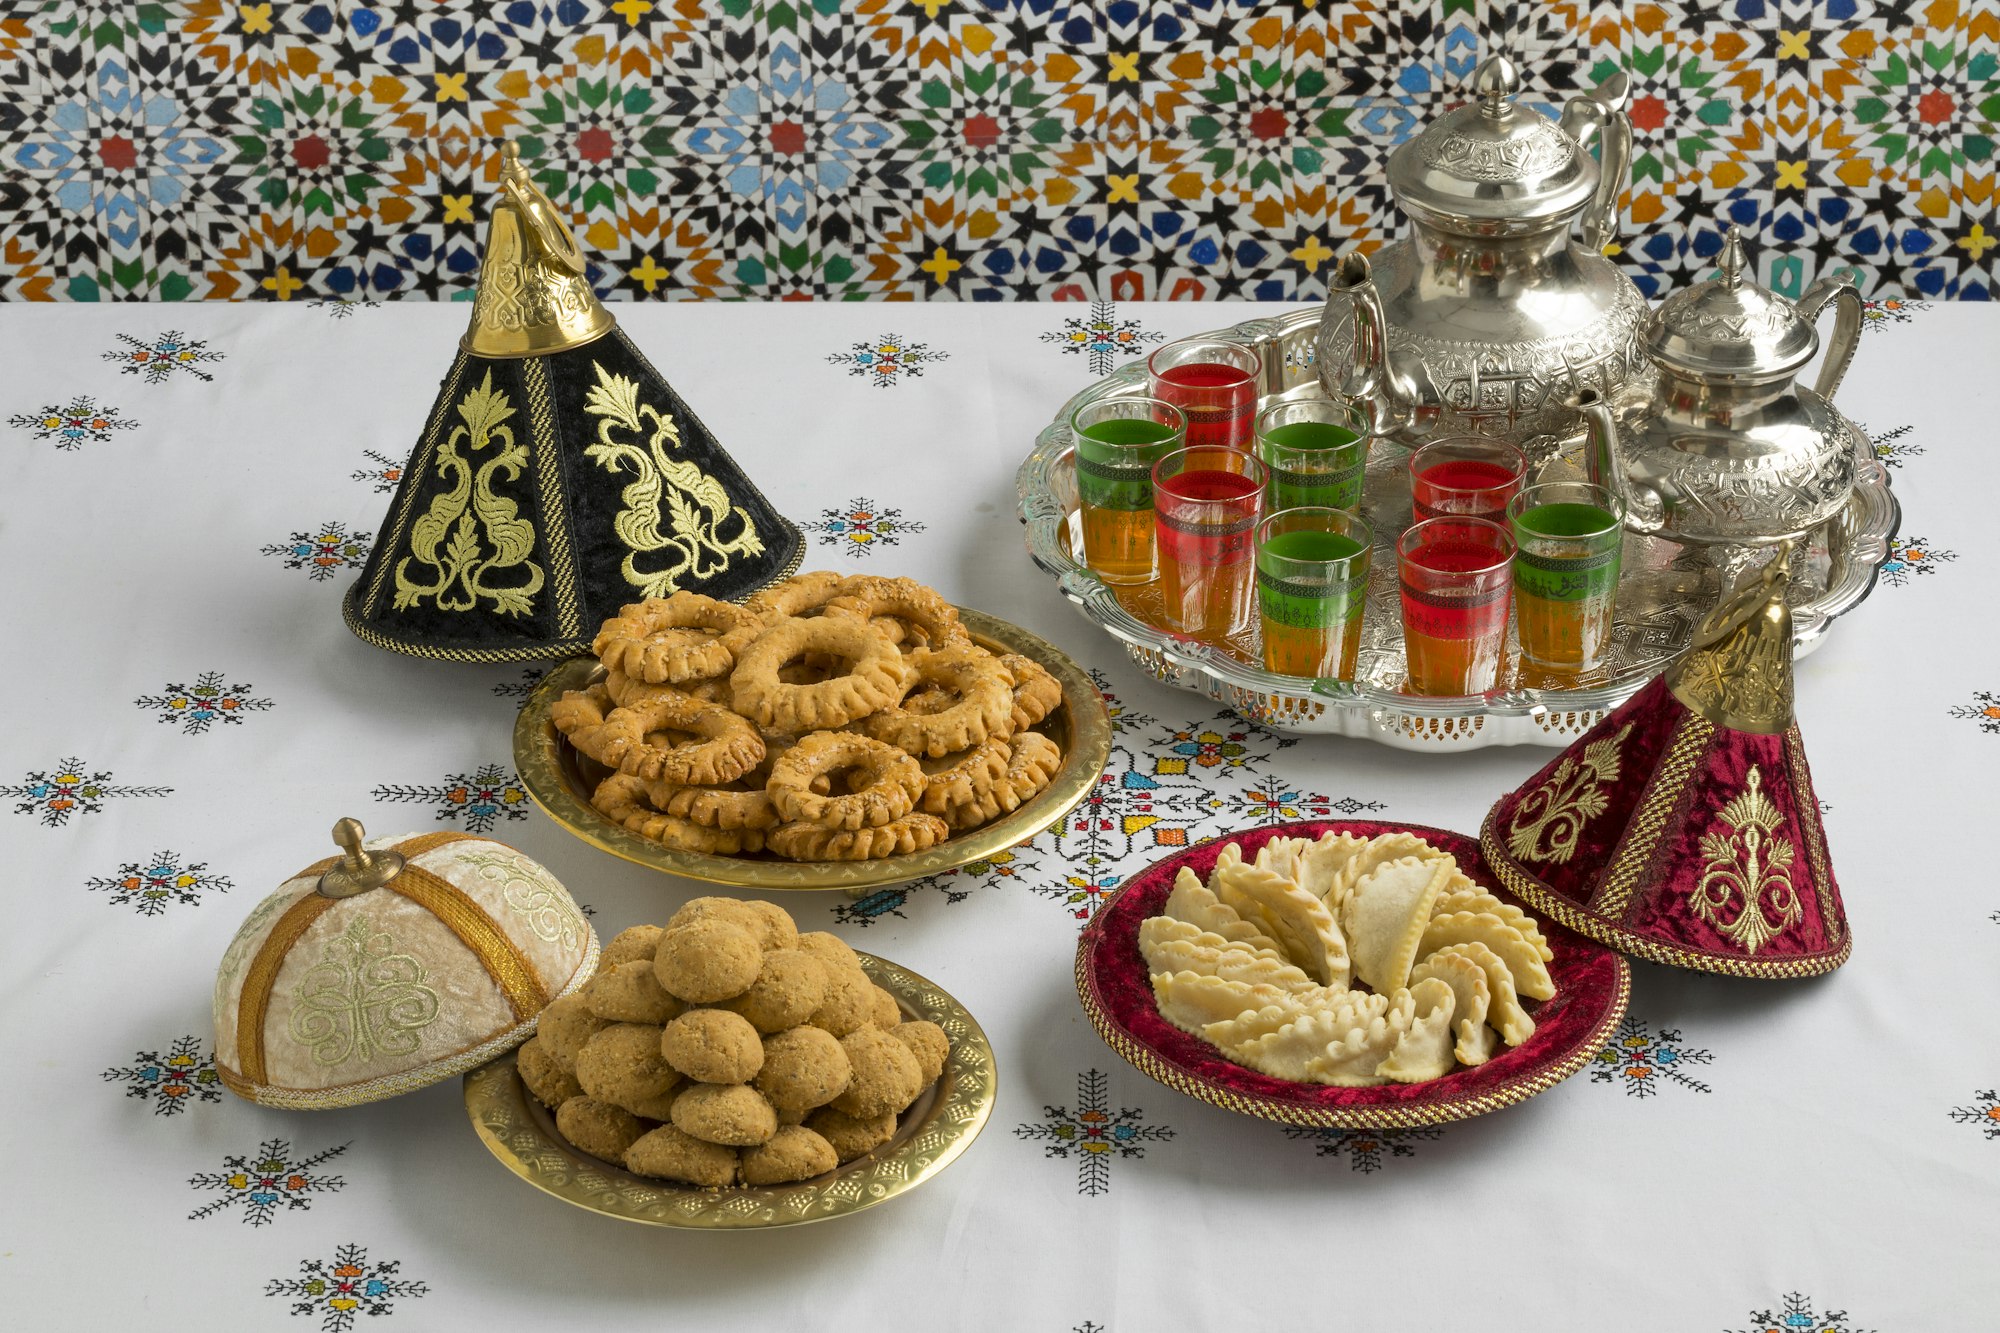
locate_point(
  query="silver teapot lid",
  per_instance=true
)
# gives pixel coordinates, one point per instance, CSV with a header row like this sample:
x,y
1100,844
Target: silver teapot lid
x,y
1493,160
1729,326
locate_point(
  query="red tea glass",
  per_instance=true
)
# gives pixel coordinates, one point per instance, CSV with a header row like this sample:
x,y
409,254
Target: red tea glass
x,y
1457,576
1206,503
1214,384
1465,476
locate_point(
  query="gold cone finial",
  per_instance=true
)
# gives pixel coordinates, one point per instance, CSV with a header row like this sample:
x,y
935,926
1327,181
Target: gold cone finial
x,y
533,296
1738,671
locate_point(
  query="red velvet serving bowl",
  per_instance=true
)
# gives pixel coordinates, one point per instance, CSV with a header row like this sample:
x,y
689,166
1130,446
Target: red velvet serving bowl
x,y
1592,984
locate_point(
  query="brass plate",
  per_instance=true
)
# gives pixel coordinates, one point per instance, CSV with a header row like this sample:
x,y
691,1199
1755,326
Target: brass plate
x,y
560,780
942,1124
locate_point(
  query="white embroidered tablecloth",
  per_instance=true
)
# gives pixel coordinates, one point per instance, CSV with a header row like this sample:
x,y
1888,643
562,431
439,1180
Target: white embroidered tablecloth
x,y
177,532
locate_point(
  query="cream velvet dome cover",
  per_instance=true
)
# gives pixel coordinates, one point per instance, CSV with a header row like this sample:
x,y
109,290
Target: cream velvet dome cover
x,y
399,963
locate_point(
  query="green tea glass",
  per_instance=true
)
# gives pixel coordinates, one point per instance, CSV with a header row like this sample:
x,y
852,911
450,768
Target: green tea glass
x,y
1568,537
1316,451
1312,584
1117,442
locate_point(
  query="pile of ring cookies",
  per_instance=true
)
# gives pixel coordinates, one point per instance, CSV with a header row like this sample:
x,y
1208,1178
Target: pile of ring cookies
x,y
726,1048
827,718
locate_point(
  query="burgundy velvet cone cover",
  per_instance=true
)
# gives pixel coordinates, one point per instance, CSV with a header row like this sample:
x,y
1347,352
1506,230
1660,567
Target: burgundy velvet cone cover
x,y
1672,836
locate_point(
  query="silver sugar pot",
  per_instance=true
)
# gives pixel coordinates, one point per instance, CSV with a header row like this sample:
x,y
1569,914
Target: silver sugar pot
x,y
1732,448
1492,312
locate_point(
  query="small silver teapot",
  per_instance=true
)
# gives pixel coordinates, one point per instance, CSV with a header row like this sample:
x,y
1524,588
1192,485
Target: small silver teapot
x,y
1493,310
1732,448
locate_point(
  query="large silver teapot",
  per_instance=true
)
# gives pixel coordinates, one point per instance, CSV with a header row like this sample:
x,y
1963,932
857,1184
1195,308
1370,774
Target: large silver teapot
x,y
1732,448
1491,314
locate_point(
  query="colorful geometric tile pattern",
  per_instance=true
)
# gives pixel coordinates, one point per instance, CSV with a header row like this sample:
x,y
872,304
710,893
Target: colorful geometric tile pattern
x,y
344,150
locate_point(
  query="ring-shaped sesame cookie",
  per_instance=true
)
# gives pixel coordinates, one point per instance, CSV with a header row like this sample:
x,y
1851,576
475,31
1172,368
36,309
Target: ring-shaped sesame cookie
x,y
725,747
916,607
959,779
892,782
665,640
735,805
813,842
796,596
1032,762
622,799
581,710
629,693
873,676
1036,692
984,705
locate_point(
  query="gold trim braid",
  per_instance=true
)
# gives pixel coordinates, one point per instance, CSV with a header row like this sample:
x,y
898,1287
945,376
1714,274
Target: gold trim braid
x,y
555,508
1635,850
1807,804
254,1001
412,848
479,933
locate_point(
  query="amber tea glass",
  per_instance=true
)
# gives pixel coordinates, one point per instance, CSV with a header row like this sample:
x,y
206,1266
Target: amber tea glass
x,y
1456,574
1117,442
1214,383
1568,538
1206,503
1465,476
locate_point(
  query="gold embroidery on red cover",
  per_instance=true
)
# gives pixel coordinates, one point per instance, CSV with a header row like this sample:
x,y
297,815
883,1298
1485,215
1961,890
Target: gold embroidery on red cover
x,y
1752,860
1635,853
1557,810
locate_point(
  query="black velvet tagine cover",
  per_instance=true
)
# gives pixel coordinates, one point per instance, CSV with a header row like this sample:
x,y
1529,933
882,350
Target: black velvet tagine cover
x,y
558,478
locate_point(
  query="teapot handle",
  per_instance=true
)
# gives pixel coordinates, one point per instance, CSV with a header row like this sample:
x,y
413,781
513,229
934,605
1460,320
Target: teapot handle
x,y
1839,289
1600,114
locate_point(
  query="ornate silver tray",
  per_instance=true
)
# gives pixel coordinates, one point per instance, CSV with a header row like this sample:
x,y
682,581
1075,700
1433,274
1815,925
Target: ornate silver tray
x,y
1664,590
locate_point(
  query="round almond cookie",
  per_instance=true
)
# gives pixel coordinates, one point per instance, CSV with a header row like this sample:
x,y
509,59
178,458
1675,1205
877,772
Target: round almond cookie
x,y
780,931
629,944
598,1128
928,1042
564,1026
791,985
706,960
671,1153
551,1084
851,1138
887,1013
623,1063
659,1108
793,1153
630,993
712,1046
735,911
803,1069
829,949
886,1076
733,1114
849,1003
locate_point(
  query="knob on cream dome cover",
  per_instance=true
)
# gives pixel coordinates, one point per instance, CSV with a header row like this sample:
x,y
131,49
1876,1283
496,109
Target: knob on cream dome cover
x,y
398,963
1684,828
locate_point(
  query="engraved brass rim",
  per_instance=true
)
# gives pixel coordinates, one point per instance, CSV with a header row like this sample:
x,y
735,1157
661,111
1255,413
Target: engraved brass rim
x,y
1437,1109
1081,726
1548,902
933,1134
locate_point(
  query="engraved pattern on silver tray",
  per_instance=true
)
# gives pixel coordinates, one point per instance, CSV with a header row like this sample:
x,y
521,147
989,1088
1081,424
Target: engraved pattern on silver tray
x,y
1664,590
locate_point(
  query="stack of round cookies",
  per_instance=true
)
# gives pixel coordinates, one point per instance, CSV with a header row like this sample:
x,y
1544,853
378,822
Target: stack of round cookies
x,y
828,718
727,1047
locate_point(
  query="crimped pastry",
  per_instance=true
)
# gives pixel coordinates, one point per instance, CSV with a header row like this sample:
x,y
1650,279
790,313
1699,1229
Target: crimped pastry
x,y
683,637
726,745
874,675
929,621
984,705
892,782
620,798
811,842
1036,692
960,779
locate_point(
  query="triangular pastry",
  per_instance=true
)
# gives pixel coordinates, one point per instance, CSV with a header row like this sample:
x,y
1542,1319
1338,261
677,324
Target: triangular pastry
x,y
1472,898
1248,1027
1503,1007
1155,931
1471,998
1321,862
1380,851
1297,920
1191,901
1234,963
1425,1051
1385,917
1531,975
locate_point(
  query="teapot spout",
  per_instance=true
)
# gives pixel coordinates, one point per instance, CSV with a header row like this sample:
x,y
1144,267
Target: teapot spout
x,y
1365,376
1605,466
